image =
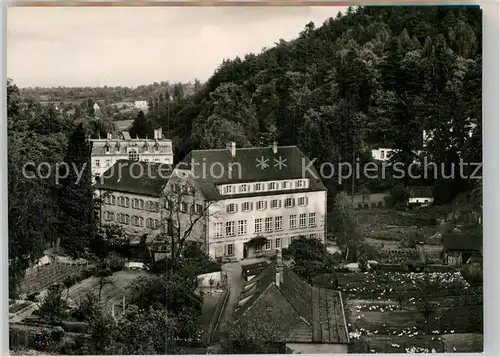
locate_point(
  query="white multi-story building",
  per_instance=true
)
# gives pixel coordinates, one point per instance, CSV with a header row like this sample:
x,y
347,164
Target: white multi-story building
x,y
106,152
382,154
270,193
141,104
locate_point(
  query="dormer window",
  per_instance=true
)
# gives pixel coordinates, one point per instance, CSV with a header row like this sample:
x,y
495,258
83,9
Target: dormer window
x,y
133,155
157,147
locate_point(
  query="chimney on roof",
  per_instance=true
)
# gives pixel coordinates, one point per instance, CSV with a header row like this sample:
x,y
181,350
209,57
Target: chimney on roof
x,y
110,136
232,148
275,147
279,268
157,134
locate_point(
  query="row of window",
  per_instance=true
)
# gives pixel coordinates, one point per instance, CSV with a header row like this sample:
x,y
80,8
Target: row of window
x,y
136,203
281,242
151,206
146,148
133,156
194,208
134,220
267,225
227,250
261,187
262,205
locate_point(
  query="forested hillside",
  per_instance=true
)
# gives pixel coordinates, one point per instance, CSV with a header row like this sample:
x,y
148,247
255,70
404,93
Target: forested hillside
x,y
373,75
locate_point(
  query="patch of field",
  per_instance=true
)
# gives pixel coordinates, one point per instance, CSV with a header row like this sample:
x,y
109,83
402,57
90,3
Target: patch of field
x,y
113,291
382,244
122,124
385,314
463,342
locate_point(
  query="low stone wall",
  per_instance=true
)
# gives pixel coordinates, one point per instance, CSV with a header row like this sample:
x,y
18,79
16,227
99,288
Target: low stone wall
x,y
219,310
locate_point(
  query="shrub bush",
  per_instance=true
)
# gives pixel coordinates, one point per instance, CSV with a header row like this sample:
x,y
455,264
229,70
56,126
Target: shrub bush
x,y
57,334
115,262
473,275
86,273
210,267
75,327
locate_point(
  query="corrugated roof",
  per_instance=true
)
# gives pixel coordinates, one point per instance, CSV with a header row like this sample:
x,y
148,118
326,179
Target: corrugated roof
x,y
125,176
313,314
463,241
218,166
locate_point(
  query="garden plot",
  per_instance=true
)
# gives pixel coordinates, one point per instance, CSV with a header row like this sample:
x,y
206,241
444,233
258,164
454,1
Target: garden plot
x,y
380,219
392,284
385,311
112,291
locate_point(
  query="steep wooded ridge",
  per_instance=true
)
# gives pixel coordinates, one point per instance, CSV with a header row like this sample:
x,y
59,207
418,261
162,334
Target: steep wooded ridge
x,y
372,76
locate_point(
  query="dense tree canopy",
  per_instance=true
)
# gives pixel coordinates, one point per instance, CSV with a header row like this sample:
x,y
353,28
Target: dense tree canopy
x,y
371,77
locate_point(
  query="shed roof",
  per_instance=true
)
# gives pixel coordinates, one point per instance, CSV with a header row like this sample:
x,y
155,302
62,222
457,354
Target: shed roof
x,y
463,241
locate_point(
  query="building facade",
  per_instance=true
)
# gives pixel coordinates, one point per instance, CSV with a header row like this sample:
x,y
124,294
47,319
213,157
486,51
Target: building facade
x,y
382,154
279,217
132,200
252,193
106,152
141,104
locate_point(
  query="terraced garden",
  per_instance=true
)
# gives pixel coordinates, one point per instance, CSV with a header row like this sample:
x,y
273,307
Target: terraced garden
x,y
386,311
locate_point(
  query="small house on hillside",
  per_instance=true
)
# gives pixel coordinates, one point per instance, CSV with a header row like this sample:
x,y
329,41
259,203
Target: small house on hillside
x,y
420,196
463,248
305,318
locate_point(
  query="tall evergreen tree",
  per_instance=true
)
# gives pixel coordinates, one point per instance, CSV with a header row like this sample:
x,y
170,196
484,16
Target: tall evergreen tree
x,y
141,127
77,221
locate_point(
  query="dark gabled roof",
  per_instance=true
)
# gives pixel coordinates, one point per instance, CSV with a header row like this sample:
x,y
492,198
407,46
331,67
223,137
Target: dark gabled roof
x,y
420,191
311,314
245,169
463,241
125,176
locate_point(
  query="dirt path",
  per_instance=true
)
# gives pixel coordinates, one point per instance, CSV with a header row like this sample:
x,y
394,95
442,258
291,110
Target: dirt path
x,y
236,284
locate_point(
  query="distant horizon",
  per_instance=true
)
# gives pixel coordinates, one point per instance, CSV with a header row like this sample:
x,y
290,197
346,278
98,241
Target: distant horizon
x,y
70,47
104,86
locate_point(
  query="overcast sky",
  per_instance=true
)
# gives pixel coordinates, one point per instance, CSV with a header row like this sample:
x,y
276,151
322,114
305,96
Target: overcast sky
x,y
90,46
